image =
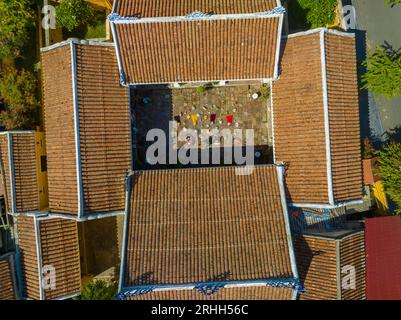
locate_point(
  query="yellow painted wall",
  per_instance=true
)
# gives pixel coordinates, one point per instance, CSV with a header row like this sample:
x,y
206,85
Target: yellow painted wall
x,y
107,4
42,172
380,197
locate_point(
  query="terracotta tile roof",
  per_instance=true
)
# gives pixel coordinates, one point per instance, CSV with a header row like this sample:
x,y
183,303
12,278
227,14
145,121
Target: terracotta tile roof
x,y
240,293
345,140
208,50
58,102
104,134
7,285
58,239
172,8
203,225
318,172
321,259
21,166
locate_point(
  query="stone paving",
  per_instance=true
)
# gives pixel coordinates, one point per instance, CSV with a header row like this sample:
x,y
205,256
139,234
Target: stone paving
x,y
247,105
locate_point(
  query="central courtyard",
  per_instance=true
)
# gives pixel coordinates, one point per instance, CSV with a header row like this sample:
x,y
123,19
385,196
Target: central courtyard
x,y
205,108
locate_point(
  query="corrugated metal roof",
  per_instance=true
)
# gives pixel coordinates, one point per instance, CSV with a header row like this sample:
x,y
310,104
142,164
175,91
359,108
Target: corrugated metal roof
x,y
383,258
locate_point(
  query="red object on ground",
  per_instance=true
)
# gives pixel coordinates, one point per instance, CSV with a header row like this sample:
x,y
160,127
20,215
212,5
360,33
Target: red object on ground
x,y
383,258
213,118
229,119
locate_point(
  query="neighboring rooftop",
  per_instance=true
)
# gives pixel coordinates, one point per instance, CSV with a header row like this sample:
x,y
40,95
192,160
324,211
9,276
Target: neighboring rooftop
x,y
203,47
173,8
49,253
324,260
18,164
8,283
89,154
383,258
208,225
316,118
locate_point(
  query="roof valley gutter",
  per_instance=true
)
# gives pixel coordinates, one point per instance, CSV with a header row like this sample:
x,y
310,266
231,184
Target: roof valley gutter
x,y
39,257
326,117
77,131
128,186
280,177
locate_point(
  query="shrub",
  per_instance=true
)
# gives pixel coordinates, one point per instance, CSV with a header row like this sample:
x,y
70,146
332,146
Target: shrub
x,y
98,290
18,91
319,13
16,16
368,151
201,89
389,162
393,3
71,14
383,75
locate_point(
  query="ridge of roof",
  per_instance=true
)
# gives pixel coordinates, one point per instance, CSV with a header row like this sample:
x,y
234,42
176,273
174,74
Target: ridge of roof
x,y
318,30
156,8
77,41
208,288
197,16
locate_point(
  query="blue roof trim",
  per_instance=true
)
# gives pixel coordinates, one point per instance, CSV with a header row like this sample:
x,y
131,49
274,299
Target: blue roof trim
x,y
198,15
276,10
210,288
116,17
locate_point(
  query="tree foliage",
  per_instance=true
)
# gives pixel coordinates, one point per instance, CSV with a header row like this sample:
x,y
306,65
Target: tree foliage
x,y
16,16
98,290
368,151
389,162
319,13
71,14
393,3
18,92
383,76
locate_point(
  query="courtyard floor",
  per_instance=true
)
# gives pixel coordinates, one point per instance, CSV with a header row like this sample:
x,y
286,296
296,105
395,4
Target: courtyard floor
x,y
219,107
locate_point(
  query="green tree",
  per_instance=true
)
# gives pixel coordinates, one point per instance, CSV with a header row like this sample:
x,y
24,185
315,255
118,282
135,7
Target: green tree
x,y
389,162
98,290
18,92
319,13
393,3
383,75
16,16
71,14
